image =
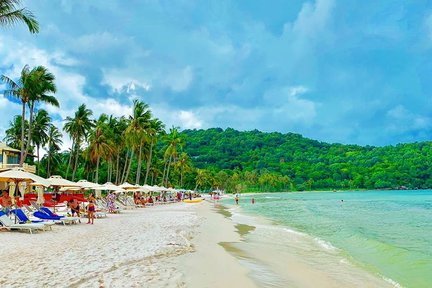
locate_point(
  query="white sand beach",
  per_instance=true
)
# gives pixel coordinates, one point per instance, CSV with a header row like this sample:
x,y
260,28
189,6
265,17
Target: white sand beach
x,y
177,245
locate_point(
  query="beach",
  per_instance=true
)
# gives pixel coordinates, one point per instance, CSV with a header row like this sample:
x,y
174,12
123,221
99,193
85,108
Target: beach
x,y
177,245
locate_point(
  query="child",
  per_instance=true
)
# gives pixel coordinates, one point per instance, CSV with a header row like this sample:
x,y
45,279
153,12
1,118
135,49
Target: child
x,y
90,211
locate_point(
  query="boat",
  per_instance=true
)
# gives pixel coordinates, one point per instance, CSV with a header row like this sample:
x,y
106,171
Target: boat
x,y
196,200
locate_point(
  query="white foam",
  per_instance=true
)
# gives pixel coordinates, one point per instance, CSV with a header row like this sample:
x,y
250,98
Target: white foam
x,y
392,282
326,245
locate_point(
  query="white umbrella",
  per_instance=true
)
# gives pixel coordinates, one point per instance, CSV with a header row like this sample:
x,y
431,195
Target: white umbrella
x,y
58,181
87,184
109,186
127,186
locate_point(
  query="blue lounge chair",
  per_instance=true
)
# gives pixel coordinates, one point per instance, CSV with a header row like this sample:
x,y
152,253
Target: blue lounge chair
x,y
10,225
58,219
22,217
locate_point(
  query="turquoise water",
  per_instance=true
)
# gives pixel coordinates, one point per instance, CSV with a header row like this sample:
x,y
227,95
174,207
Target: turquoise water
x,y
385,232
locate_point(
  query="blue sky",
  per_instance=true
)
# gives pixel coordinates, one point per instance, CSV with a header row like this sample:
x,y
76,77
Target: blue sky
x,y
336,71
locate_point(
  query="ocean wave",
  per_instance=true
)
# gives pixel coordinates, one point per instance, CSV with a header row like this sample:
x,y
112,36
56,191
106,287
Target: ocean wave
x,y
324,244
392,282
294,232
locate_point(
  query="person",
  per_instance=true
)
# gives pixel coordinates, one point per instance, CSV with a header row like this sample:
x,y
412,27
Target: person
x,y
236,198
90,211
150,199
253,200
74,206
6,200
111,202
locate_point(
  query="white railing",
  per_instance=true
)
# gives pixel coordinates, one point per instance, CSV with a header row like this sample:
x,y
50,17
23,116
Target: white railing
x,y
26,167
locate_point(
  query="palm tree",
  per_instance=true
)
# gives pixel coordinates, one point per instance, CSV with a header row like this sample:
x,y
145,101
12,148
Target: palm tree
x,y
78,129
184,164
156,128
53,143
10,14
100,145
41,128
13,133
42,83
136,132
30,88
174,141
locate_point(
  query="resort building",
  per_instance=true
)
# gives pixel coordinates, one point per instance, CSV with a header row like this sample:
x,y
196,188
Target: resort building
x,y
9,158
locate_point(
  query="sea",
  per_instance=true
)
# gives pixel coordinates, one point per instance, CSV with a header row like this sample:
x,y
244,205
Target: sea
x,y
356,238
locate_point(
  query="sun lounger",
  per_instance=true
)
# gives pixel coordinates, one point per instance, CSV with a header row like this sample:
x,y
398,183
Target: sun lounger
x,y
22,217
10,225
56,219
63,219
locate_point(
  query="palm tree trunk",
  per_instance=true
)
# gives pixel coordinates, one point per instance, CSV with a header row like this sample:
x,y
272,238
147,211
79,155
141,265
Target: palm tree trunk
x,y
163,173
168,170
124,167
97,169
29,132
48,165
148,163
70,158
22,133
129,166
181,177
76,161
138,173
38,166
117,168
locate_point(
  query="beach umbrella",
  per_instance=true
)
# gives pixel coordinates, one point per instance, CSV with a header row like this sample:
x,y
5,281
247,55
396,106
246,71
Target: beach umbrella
x,y
16,176
128,186
56,181
87,184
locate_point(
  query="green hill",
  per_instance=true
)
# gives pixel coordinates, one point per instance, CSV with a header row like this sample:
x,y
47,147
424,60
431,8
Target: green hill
x,y
308,164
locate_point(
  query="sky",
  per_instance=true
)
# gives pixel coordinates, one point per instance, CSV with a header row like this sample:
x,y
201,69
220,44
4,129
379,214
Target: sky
x,y
353,72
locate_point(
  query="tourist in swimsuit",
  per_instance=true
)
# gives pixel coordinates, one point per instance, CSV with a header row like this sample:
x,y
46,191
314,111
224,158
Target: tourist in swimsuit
x,y
90,211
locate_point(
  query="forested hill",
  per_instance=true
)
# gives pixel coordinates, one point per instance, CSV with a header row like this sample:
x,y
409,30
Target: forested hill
x,y
311,164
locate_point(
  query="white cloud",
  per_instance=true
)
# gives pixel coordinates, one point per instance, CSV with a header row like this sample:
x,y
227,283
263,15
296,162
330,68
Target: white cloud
x,y
180,80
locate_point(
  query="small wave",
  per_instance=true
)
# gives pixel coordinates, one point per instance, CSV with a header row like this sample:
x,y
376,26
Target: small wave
x,y
392,282
293,232
324,244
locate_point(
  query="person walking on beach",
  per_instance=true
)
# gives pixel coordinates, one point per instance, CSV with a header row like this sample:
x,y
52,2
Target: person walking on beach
x,y
111,202
90,211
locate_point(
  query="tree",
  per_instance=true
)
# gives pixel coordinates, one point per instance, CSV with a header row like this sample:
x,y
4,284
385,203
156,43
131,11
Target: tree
x,y
31,87
184,164
10,14
41,128
156,128
78,129
174,142
53,143
100,145
13,133
136,132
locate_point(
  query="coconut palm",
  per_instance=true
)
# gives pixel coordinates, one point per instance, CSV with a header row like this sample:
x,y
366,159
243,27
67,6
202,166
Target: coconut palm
x,y
41,84
53,143
31,87
100,145
136,132
10,14
78,128
174,142
155,129
184,164
41,126
13,133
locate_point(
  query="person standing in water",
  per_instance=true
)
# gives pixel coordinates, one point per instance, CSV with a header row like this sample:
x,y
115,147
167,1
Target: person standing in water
x,y
236,198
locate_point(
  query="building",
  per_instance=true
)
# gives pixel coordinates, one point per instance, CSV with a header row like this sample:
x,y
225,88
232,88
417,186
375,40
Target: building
x,y
9,158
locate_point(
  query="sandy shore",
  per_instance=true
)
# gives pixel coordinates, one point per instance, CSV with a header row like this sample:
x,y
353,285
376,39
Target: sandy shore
x,y
132,249
176,245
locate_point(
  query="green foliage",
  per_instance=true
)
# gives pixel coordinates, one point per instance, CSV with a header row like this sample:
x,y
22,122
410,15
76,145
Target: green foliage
x,y
282,162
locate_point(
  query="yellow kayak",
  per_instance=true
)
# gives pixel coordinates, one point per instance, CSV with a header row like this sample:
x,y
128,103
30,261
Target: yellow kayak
x,y
197,200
